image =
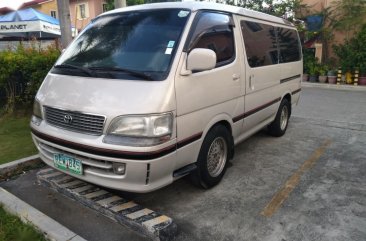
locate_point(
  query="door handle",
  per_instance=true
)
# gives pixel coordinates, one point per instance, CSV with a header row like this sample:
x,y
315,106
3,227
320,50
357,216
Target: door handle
x,y
250,81
236,77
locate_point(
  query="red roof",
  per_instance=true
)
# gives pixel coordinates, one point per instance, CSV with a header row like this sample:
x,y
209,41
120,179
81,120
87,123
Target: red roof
x,y
33,2
5,10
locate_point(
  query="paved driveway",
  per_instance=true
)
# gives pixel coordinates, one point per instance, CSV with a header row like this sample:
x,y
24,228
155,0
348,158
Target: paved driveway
x,y
306,185
327,134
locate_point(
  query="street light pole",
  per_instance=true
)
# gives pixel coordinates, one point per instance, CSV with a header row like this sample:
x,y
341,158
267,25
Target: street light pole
x,y
65,22
119,4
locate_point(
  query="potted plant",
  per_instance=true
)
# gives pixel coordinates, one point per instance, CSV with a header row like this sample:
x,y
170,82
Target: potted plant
x,y
349,79
332,77
313,71
362,78
305,75
322,73
346,72
309,59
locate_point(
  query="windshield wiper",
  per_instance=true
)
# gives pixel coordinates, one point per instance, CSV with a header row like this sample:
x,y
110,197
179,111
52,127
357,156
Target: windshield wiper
x,y
129,71
70,66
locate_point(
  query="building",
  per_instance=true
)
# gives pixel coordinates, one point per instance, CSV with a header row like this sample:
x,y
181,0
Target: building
x,y
48,7
83,11
317,7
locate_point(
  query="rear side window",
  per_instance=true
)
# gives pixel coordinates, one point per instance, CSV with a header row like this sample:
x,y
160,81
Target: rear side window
x,y
214,31
289,45
267,45
260,43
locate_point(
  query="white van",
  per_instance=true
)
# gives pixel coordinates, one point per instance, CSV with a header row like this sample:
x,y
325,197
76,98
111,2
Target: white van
x,y
150,93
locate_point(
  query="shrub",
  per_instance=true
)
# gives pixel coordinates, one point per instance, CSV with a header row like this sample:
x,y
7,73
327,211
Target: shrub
x,y
352,54
310,62
22,72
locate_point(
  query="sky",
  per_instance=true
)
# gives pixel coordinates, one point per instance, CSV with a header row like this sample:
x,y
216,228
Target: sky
x,y
13,4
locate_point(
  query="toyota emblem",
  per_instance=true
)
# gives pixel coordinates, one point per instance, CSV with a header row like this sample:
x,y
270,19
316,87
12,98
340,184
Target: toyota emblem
x,y
68,119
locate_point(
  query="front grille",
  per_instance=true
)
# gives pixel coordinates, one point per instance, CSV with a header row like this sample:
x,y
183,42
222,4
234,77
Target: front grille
x,y
75,121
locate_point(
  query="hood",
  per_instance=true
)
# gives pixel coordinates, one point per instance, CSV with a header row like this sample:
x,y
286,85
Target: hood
x,y
109,97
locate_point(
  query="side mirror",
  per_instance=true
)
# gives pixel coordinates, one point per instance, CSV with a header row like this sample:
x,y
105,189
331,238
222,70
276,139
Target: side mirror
x,y
201,59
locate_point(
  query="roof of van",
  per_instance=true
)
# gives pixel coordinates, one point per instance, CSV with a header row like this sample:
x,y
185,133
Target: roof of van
x,y
195,6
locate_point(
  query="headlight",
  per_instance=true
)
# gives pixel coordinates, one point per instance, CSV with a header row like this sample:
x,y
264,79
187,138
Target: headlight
x,y
37,113
140,130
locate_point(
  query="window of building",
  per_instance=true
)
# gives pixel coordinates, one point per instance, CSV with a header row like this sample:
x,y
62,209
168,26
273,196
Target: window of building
x,y
53,14
104,7
82,11
260,43
289,45
214,31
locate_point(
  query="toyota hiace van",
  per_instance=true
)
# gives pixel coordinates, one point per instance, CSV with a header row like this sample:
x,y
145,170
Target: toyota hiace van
x,y
151,93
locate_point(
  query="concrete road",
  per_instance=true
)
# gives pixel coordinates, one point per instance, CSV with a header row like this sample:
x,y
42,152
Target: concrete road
x,y
327,203
307,185
334,105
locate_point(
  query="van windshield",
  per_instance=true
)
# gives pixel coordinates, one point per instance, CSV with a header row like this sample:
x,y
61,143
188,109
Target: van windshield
x,y
129,45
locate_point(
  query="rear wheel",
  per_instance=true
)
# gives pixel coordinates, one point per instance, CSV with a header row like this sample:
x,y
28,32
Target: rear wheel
x,y
213,157
279,126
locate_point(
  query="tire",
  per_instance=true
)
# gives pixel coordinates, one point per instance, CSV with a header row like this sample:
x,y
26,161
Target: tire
x,y
279,126
216,150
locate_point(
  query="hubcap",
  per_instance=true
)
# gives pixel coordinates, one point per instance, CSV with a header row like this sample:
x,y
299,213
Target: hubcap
x,y
216,158
284,117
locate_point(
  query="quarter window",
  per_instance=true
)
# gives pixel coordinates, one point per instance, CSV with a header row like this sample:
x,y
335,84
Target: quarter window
x,y
288,44
214,31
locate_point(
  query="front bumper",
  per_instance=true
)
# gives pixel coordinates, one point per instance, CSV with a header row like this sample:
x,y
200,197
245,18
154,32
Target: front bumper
x,y
141,175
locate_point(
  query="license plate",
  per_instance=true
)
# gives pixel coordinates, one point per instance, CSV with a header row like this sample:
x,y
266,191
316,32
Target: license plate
x,y
68,163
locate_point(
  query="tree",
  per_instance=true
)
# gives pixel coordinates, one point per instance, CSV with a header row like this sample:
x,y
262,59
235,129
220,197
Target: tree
x,y
65,22
352,53
110,3
348,15
285,8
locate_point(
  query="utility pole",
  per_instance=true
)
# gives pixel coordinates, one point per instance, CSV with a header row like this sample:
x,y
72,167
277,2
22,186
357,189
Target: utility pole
x,y
65,22
119,4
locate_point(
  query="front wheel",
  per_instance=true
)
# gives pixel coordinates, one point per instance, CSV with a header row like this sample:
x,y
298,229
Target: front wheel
x,y
279,125
213,157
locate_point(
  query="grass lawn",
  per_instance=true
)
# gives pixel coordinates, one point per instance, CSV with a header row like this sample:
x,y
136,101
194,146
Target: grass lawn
x,y
12,228
15,139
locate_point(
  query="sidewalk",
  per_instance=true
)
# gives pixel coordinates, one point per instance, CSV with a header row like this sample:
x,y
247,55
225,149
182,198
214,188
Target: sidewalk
x,y
334,86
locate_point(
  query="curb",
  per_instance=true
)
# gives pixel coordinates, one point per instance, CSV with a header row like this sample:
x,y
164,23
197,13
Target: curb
x,y
125,212
334,86
16,167
50,228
